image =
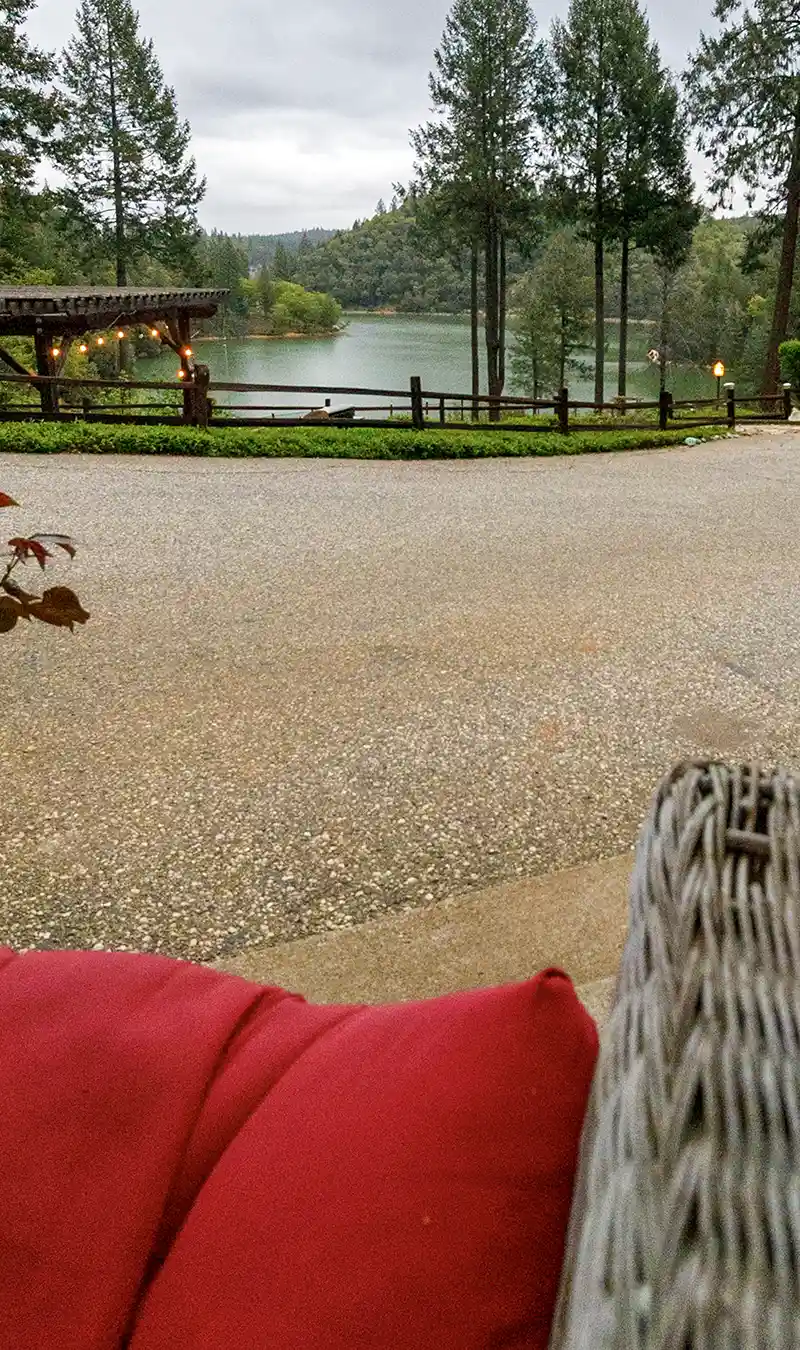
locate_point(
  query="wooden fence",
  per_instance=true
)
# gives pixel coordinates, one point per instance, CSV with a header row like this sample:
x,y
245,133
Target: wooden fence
x,y
415,407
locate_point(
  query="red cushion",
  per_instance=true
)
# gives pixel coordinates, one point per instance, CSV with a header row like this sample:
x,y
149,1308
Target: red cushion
x,y
202,1162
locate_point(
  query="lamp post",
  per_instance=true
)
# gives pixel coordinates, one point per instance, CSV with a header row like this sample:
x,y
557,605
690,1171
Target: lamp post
x,y
719,371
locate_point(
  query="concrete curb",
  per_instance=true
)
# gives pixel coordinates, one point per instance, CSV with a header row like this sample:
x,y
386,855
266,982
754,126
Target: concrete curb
x,y
575,919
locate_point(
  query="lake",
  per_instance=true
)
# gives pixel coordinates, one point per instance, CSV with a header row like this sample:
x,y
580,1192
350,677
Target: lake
x,y
383,352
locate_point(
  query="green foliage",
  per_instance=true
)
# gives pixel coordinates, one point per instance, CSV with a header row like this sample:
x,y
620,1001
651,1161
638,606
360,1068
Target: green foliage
x,y
552,314
383,264
30,106
321,442
261,247
744,97
790,363
124,149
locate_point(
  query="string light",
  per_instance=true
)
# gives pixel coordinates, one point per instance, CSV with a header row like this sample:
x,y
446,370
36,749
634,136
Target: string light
x,y
83,348
55,351
181,374
187,351
154,333
120,333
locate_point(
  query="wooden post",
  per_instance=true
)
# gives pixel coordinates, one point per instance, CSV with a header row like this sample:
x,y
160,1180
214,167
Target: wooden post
x,y
664,409
185,340
731,388
442,417
562,411
417,413
44,366
202,403
787,401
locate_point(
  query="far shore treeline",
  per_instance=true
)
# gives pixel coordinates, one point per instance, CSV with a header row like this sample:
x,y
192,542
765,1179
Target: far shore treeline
x,y
552,191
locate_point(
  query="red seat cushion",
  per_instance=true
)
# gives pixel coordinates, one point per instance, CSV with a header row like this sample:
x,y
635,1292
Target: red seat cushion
x,y
192,1160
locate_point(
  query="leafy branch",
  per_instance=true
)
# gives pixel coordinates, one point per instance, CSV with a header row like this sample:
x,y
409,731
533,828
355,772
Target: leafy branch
x,y
58,605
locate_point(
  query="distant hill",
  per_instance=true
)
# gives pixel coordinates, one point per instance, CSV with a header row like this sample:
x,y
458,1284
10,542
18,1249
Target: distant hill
x,y
261,247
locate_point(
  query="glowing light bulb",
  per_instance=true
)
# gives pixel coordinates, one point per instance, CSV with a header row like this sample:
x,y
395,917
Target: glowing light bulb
x,y
101,342
83,348
120,333
154,333
187,351
55,351
181,374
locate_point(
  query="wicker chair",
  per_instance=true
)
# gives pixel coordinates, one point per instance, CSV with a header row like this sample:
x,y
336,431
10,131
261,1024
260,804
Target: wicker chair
x,y
685,1231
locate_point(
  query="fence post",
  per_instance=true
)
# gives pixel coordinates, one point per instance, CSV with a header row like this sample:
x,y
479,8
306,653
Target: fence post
x,y
442,417
562,411
787,401
417,413
202,378
664,409
731,391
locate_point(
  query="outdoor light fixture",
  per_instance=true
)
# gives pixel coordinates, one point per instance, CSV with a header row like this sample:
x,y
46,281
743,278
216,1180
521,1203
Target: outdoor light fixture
x,y
719,371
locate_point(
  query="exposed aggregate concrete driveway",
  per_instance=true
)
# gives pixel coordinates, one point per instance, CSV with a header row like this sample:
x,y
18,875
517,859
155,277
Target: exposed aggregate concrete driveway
x,y
312,691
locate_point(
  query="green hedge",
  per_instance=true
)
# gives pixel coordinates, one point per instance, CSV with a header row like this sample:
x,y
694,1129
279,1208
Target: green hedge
x,y
322,442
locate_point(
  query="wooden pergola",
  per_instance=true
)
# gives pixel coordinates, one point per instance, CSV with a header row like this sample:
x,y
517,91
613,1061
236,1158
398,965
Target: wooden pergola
x,y
56,316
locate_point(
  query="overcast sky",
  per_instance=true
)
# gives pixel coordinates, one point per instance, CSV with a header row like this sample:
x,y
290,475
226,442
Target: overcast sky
x,y
300,111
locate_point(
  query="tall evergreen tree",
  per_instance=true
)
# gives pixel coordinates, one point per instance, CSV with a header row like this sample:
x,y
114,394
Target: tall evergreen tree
x,y
29,112
619,141
744,91
476,157
125,150
654,202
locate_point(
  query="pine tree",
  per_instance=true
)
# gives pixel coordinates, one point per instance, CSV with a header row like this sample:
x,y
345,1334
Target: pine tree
x,y
744,91
281,263
654,204
619,142
29,116
125,150
475,160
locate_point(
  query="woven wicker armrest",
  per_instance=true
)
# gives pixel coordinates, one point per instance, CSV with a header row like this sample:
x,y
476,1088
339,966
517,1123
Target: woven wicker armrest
x,y
685,1230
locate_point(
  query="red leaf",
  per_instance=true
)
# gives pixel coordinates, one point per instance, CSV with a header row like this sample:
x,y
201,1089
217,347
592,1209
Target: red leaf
x,y
25,547
5,500
59,606
56,541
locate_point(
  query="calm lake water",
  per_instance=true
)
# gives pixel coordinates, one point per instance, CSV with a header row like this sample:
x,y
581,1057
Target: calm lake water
x,y
383,353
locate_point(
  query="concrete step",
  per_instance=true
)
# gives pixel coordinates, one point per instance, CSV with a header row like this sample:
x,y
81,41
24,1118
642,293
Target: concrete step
x,y
575,919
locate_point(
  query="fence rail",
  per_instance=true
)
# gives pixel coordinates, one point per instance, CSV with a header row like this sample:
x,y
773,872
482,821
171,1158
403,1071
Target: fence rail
x,y
70,399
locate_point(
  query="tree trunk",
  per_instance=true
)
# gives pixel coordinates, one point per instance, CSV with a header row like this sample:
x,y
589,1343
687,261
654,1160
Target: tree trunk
x,y
780,318
501,360
664,334
599,320
622,380
562,352
119,210
599,228
473,317
492,317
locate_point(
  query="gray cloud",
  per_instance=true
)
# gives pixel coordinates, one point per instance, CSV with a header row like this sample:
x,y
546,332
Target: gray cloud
x,y
300,111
